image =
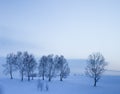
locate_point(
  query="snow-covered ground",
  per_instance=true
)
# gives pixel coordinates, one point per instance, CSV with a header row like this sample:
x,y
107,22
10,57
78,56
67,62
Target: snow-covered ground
x,y
76,83
72,85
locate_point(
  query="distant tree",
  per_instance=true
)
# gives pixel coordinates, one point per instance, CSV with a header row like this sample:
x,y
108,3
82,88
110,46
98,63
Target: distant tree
x,y
10,65
26,64
95,66
56,65
42,68
63,67
30,64
50,67
33,66
21,64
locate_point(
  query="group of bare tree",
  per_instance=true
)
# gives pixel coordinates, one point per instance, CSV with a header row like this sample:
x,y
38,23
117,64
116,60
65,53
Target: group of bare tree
x,y
23,62
48,66
51,66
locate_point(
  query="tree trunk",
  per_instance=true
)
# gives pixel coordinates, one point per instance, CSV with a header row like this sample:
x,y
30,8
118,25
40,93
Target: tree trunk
x,y
22,76
28,78
43,77
61,77
95,82
49,79
11,76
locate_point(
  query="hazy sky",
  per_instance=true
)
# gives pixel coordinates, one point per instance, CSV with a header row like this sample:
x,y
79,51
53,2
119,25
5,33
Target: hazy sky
x,y
74,28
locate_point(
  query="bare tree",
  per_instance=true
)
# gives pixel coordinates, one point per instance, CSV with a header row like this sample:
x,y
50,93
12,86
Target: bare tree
x,y
30,64
95,66
42,68
50,67
33,66
63,67
21,64
10,64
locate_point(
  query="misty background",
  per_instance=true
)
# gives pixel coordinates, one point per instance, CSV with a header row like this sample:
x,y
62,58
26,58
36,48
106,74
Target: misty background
x,y
74,29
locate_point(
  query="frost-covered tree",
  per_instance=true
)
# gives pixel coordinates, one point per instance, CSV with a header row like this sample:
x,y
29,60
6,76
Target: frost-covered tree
x,y
20,62
95,66
33,66
10,65
42,68
50,67
30,64
26,64
56,65
63,67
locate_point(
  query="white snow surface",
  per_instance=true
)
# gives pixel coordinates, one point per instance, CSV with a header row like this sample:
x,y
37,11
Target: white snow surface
x,y
72,85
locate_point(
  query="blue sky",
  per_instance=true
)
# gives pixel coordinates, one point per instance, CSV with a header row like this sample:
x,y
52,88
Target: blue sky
x,y
74,28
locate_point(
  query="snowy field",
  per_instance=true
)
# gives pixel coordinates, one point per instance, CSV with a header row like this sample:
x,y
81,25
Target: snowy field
x,y
76,83
72,85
